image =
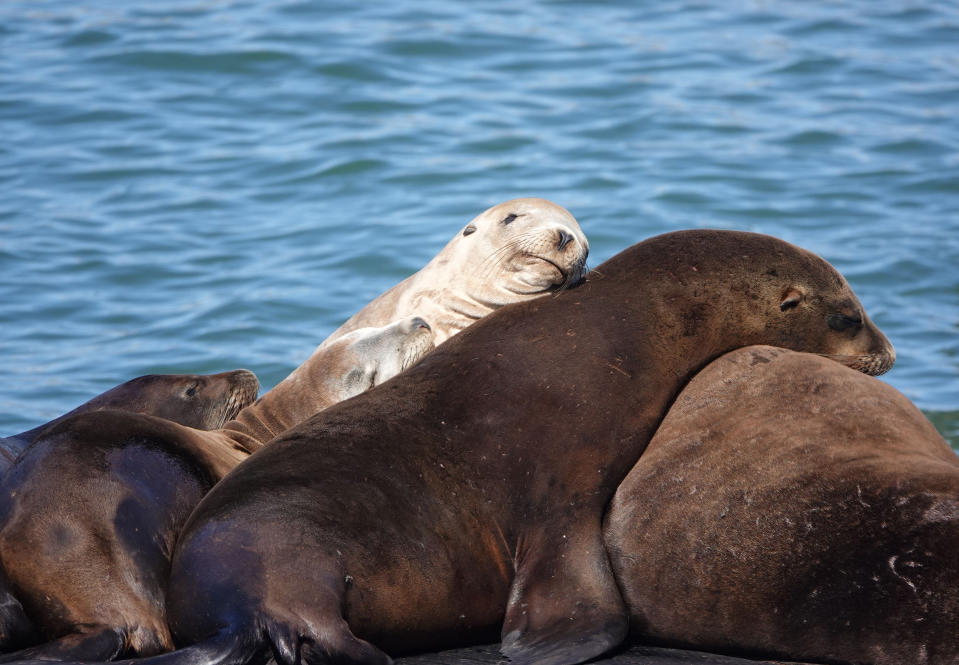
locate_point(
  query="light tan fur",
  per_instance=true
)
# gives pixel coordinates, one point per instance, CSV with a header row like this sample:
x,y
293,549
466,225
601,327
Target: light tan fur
x,y
490,263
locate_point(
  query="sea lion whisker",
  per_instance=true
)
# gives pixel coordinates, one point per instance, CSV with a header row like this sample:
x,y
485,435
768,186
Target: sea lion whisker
x,y
495,257
527,244
521,242
872,364
496,264
573,277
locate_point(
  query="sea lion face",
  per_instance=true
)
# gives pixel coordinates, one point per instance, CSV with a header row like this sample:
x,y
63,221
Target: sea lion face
x,y
520,248
855,340
369,356
827,303
202,401
762,290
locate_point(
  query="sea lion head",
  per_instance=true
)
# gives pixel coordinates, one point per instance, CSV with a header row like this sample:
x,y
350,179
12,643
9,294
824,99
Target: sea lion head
x,y
853,339
818,310
369,356
518,249
740,288
202,401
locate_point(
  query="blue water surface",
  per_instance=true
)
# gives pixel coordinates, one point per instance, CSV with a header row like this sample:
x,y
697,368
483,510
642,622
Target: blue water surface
x,y
193,186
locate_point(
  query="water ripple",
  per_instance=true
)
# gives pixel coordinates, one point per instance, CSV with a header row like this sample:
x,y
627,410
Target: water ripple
x,y
198,186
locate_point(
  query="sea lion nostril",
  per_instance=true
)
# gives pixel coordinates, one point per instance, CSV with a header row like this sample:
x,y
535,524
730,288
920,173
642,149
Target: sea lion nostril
x,y
564,239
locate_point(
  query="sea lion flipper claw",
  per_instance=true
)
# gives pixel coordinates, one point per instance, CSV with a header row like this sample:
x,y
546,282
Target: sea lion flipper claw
x,y
564,609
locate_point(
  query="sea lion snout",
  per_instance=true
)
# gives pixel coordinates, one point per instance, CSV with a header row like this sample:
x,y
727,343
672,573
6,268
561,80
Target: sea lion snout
x,y
868,350
872,364
573,250
244,387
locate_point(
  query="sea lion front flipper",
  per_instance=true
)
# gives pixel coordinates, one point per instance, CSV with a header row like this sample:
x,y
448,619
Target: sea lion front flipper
x,y
564,606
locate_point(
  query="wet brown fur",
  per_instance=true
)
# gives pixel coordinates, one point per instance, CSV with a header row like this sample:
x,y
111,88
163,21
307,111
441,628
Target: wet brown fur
x,y
791,507
194,400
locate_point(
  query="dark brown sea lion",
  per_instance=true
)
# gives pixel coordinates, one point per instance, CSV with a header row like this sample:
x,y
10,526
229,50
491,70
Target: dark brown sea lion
x,y
789,507
195,400
90,511
466,495
203,401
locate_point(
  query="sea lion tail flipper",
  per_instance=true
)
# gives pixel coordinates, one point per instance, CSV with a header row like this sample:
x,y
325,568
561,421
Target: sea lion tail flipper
x,y
564,607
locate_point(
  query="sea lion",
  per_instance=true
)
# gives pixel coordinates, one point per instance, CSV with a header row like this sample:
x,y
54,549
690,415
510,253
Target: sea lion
x,y
789,507
90,511
203,401
465,496
195,400
511,252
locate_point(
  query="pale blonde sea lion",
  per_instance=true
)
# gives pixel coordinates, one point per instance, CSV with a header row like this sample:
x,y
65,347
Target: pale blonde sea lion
x,y
511,252
91,509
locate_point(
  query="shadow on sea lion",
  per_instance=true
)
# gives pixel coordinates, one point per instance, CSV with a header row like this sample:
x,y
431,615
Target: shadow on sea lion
x,y
91,509
203,401
789,507
465,496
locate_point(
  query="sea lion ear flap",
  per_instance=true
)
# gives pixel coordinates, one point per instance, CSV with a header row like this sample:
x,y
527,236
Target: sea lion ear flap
x,y
469,229
791,298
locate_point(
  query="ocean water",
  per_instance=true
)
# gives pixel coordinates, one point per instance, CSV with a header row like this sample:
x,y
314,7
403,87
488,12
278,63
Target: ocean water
x,y
199,185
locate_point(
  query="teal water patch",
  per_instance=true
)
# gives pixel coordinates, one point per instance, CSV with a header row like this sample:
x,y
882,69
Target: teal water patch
x,y
202,186
947,422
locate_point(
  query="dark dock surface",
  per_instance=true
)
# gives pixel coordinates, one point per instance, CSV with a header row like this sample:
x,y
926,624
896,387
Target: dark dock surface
x,y
636,655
